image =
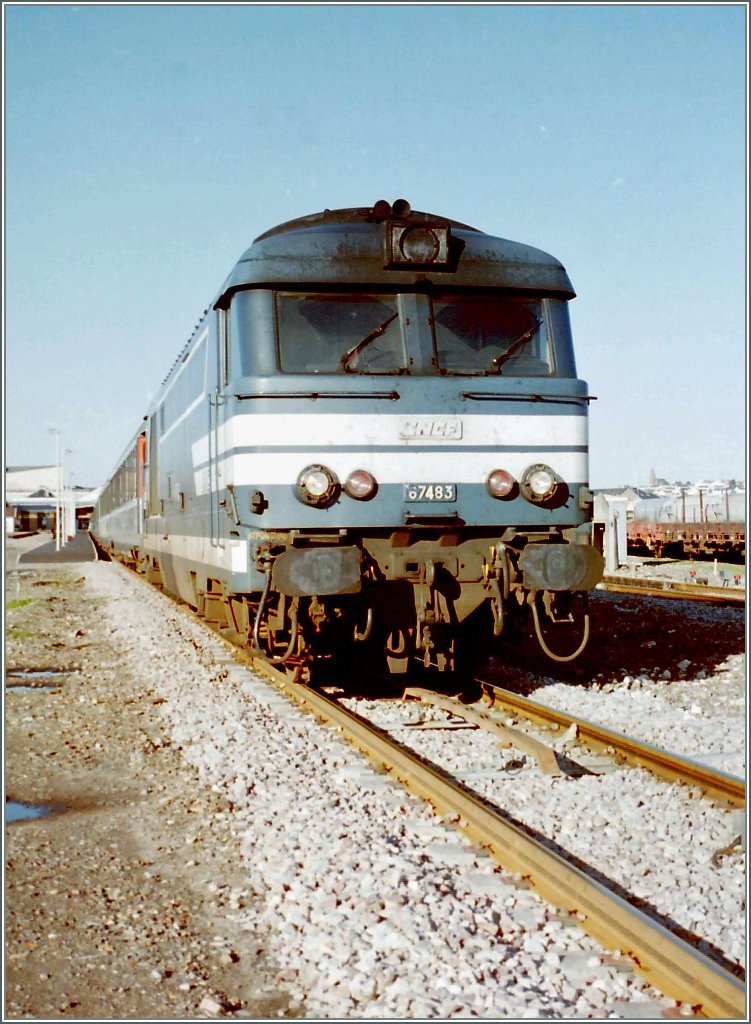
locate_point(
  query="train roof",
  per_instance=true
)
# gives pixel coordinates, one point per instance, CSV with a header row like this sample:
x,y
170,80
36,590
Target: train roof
x,y
353,247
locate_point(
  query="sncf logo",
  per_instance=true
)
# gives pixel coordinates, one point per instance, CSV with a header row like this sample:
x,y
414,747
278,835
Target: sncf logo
x,y
446,430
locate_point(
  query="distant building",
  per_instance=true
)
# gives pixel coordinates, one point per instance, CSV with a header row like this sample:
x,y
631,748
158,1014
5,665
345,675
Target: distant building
x,y
703,501
656,481
31,500
25,479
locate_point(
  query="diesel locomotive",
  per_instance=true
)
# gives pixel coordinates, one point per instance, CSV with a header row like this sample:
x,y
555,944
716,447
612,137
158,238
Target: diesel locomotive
x,y
375,442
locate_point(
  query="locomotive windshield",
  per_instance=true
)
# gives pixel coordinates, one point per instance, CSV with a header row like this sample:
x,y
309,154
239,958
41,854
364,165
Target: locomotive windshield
x,y
340,334
374,332
486,334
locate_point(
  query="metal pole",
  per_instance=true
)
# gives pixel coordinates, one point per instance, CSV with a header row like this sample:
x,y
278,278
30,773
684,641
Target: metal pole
x,y
72,509
58,486
66,506
62,502
58,501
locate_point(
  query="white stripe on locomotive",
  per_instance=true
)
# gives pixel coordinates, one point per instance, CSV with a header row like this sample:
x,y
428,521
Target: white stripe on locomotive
x,y
285,430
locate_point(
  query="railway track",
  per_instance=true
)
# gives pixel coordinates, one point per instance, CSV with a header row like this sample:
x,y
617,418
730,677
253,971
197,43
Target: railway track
x,y
676,967
674,589
728,789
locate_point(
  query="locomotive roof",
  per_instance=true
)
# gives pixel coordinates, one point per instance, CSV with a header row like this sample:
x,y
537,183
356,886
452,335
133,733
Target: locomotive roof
x,y
346,247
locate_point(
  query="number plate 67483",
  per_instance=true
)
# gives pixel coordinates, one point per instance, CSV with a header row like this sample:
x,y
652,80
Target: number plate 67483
x,y
430,492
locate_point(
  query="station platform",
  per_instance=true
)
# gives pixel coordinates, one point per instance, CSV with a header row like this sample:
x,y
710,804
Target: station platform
x,y
80,549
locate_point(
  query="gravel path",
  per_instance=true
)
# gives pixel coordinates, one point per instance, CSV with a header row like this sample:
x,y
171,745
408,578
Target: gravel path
x,y
224,854
119,905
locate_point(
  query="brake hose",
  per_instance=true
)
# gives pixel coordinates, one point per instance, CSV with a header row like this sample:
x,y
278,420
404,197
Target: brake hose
x,y
544,646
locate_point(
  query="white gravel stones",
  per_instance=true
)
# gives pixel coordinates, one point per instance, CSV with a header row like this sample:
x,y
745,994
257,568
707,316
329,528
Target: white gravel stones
x,y
644,834
372,908
695,717
211,1006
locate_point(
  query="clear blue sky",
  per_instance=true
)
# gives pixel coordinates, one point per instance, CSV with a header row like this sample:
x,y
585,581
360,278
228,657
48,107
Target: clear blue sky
x,y
146,146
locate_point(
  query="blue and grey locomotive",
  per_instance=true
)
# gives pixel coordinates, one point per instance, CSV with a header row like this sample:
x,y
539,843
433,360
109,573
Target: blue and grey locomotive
x,y
375,440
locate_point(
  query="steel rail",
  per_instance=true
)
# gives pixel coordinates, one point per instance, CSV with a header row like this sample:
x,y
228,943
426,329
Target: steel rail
x,y
542,754
718,785
673,966
668,588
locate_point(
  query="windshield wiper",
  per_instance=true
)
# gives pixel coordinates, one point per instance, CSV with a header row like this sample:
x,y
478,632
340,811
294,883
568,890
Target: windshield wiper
x,y
357,349
498,361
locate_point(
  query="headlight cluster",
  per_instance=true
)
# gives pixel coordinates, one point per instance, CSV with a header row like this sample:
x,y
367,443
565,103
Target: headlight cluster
x,y
538,484
319,486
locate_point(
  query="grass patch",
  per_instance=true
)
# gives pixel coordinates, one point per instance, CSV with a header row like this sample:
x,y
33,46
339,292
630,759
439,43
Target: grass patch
x,y
19,602
15,633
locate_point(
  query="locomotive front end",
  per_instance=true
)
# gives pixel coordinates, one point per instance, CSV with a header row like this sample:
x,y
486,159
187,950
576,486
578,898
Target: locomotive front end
x,y
403,439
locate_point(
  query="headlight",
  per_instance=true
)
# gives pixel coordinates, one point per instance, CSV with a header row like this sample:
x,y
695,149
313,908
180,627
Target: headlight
x,y
539,483
360,485
501,484
317,485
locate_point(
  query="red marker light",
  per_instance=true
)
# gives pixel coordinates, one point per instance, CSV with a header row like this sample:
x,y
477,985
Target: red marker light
x,y
500,483
360,485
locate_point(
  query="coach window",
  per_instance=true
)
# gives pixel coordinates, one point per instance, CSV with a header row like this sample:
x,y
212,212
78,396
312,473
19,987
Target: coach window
x,y
339,333
478,334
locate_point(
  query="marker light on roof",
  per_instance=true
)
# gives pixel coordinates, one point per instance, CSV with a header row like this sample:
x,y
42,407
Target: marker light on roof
x,y
417,245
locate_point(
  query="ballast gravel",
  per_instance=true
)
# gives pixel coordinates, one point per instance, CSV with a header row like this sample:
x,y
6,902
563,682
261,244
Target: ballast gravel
x,y
361,911
364,902
655,839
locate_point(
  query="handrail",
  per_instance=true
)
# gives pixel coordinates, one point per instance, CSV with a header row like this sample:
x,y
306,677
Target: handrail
x,y
390,395
502,396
